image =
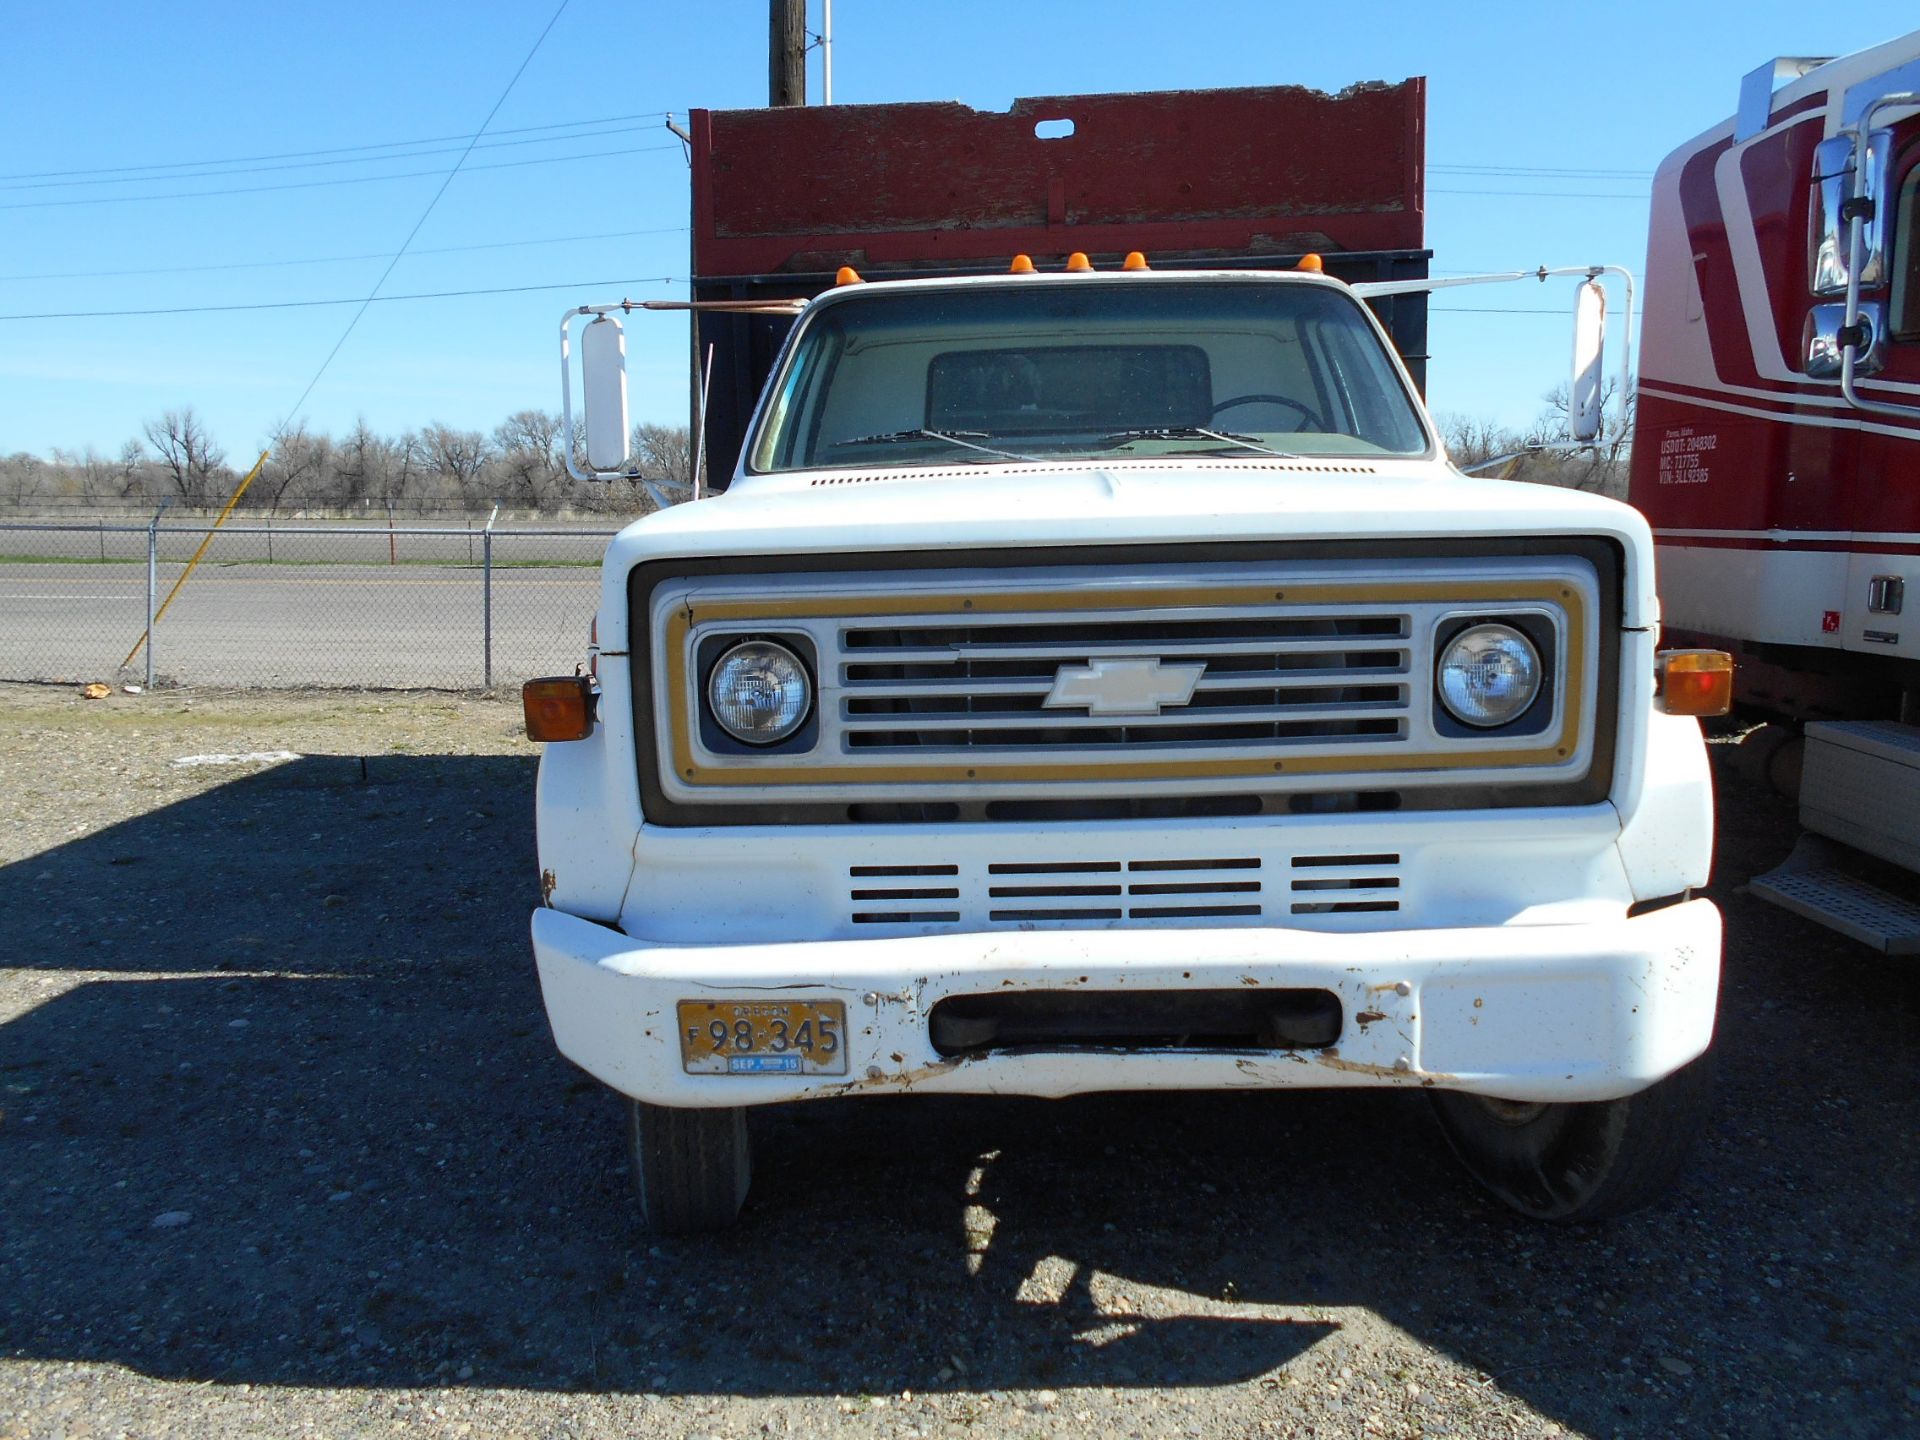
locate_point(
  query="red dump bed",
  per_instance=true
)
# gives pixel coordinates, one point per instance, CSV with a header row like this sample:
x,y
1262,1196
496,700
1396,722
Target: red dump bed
x,y
1245,177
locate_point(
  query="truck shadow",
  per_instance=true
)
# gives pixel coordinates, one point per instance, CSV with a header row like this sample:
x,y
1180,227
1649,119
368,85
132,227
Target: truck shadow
x,y
278,1105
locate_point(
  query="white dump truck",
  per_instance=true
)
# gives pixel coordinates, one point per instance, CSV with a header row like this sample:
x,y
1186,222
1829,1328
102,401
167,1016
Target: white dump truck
x,y
1095,677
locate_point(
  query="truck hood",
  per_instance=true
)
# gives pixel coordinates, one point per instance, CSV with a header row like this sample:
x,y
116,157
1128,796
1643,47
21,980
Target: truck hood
x,y
1010,507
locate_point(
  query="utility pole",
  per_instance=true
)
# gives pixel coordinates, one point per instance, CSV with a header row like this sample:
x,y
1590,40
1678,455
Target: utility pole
x,y
826,52
787,53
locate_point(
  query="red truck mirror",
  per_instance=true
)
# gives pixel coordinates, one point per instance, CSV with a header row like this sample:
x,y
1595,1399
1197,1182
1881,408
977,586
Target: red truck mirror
x,y
1834,184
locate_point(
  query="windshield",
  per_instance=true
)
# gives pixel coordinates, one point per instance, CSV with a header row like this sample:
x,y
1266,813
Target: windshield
x,y
1066,370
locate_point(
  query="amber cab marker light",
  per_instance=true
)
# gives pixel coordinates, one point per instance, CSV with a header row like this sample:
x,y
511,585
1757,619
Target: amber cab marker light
x,y
1134,261
1022,265
1694,682
1313,263
1078,262
559,707
847,275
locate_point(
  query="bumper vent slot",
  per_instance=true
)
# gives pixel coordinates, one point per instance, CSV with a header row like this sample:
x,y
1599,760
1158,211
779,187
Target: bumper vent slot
x,y
898,894
1058,892
1345,884
1133,890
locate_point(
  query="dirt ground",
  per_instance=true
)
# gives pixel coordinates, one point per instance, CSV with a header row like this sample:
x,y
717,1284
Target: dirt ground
x,y
285,1149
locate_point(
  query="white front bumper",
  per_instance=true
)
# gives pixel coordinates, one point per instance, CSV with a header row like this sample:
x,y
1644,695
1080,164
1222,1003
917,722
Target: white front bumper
x,y
1589,1011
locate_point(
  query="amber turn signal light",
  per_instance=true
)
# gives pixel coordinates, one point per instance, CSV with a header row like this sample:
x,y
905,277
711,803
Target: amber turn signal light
x,y
559,707
1694,682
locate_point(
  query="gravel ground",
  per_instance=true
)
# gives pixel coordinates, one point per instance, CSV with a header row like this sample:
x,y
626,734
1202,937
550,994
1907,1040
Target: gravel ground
x,y
285,1150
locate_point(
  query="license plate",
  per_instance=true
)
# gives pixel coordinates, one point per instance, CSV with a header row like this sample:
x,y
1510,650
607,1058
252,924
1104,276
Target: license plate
x,y
763,1037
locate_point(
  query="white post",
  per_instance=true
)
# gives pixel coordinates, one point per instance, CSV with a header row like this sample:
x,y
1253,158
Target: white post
x,y
153,580
486,590
826,52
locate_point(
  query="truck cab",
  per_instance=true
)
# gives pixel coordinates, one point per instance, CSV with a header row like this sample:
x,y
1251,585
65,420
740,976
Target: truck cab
x,y
1095,677
1777,454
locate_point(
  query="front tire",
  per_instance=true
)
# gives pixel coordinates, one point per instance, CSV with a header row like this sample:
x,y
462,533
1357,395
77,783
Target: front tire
x,y
1580,1162
690,1167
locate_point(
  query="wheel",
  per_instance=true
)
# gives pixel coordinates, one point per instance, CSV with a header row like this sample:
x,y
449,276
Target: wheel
x,y
1580,1161
1772,755
1307,413
691,1167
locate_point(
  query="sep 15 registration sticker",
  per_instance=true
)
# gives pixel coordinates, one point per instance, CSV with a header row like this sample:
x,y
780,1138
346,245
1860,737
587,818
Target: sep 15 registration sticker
x,y
763,1037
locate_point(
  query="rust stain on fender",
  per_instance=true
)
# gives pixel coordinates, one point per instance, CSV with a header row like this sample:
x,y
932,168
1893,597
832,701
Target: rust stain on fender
x,y
549,882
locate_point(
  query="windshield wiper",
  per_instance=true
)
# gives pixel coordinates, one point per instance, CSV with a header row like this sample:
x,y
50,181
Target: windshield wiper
x,y
1195,432
962,438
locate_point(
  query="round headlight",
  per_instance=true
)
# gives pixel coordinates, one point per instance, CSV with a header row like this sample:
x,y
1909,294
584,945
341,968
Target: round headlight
x,y
1489,675
760,692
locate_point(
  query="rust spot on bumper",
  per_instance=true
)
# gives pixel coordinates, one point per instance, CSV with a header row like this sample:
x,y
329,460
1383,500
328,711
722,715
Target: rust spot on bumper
x,y
893,1079
548,883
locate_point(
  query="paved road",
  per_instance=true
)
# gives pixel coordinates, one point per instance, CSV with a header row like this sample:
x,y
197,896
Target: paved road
x,y
410,625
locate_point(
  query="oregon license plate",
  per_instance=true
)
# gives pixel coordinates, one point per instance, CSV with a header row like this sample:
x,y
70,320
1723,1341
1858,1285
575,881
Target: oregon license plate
x,y
763,1037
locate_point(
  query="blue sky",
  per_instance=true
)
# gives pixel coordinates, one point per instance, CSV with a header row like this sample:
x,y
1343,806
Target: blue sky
x,y
89,87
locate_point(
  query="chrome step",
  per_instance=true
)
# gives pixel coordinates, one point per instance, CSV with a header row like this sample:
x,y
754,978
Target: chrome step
x,y
1814,882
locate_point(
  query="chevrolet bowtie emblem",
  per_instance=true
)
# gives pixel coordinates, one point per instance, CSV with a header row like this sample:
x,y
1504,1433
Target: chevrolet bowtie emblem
x,y
1123,687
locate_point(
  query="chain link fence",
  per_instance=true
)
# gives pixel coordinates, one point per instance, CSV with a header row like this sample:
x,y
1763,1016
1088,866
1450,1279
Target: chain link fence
x,y
295,605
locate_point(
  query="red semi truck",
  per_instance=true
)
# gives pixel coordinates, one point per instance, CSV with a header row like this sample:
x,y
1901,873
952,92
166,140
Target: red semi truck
x,y
1777,452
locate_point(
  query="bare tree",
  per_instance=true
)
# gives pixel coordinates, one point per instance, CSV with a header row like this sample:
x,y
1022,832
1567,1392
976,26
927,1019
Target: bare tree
x,y
298,459
1600,467
459,455
528,446
663,452
23,475
188,455
130,470
1473,439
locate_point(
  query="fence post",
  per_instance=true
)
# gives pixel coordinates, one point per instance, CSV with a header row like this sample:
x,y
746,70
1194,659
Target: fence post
x,y
486,590
153,580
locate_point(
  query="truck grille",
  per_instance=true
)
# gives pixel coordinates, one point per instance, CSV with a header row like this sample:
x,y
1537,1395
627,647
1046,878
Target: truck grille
x,y
1163,688
1257,678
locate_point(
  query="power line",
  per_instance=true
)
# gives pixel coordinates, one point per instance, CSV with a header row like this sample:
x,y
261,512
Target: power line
x,y
1540,171
1463,310
346,160
334,259
1533,194
520,70
361,300
332,150
319,184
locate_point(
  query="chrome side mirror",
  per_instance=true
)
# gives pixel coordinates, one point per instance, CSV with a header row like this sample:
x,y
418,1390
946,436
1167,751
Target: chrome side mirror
x,y
1587,396
1833,183
603,358
1826,339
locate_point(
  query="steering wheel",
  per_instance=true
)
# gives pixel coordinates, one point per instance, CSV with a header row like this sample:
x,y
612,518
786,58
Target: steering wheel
x,y
1307,413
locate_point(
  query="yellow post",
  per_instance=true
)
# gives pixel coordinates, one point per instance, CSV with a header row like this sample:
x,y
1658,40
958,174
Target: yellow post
x,y
232,500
